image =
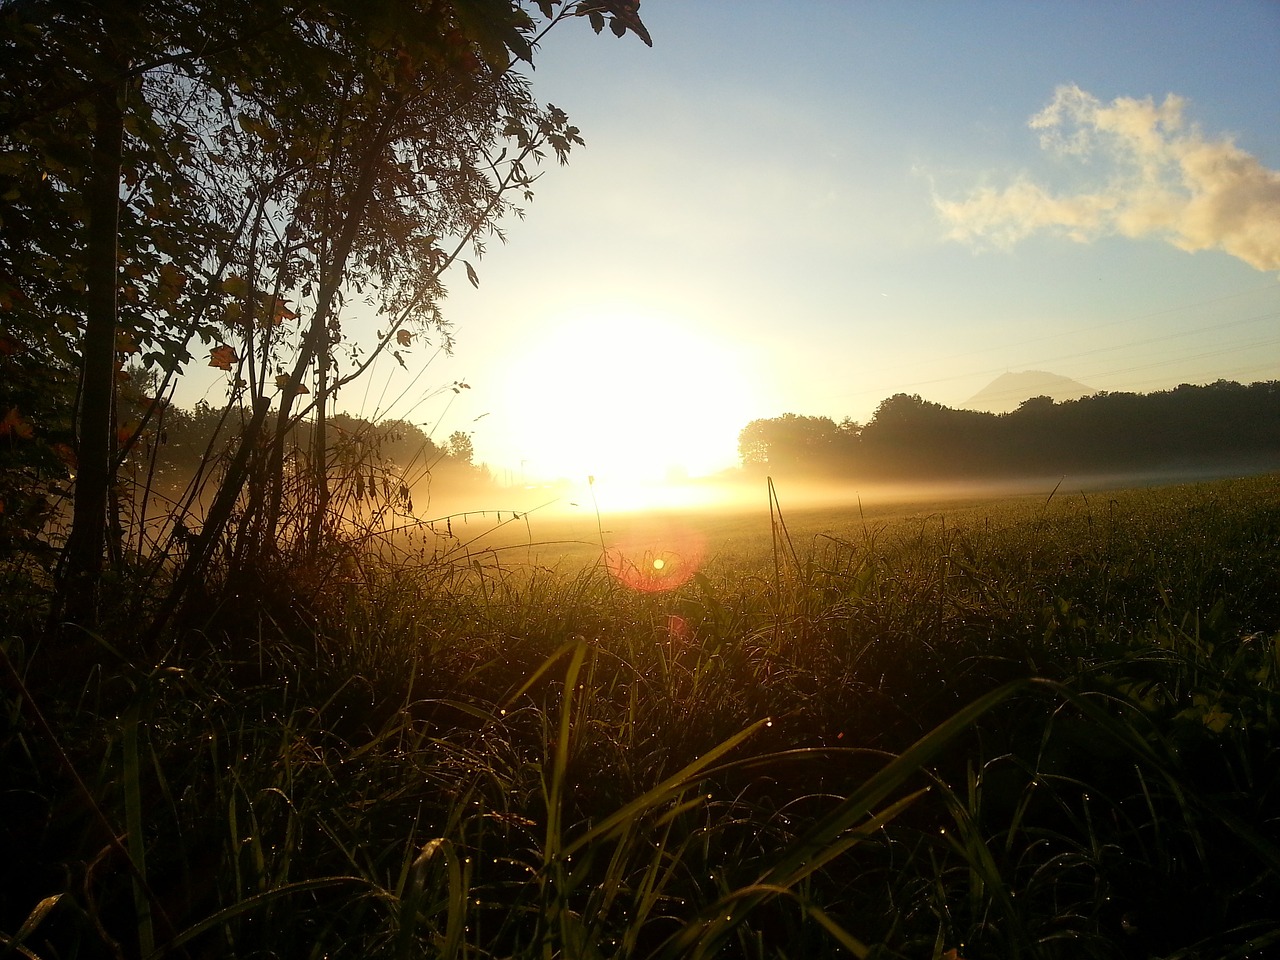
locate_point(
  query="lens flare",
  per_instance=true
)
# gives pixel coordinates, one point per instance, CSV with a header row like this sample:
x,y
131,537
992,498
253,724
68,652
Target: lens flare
x,y
662,556
678,628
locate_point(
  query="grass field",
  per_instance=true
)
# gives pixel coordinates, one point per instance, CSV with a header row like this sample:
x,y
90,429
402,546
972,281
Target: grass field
x,y
565,529
1034,727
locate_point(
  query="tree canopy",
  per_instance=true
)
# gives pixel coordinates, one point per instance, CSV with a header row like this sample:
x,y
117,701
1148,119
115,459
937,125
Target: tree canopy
x,y
1190,427
221,183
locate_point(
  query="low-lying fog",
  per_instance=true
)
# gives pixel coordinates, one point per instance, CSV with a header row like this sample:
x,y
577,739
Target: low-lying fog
x,y
551,522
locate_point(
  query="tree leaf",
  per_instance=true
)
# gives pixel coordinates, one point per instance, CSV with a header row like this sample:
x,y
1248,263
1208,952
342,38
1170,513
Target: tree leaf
x,y
171,283
10,346
126,431
16,425
280,312
234,286
222,357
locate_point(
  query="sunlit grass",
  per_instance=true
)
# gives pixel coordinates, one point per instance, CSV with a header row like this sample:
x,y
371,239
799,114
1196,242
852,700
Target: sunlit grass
x,y
1045,727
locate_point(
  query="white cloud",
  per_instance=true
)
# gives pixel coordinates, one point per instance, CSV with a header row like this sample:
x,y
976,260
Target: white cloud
x,y
1157,176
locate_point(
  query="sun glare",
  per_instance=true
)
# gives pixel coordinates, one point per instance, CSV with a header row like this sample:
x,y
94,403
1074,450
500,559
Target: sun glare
x,y
627,397
658,555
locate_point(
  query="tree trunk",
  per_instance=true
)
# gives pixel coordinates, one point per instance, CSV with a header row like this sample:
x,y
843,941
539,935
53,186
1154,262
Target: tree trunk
x,y
219,514
316,342
86,543
320,451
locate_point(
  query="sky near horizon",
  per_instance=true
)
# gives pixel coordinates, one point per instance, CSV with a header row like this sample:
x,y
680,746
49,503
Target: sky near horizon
x,y
809,207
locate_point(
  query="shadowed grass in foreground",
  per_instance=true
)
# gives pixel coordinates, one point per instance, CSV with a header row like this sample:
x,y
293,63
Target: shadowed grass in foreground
x,y
1030,730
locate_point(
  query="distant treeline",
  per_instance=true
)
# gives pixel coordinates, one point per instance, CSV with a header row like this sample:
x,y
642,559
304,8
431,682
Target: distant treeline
x,y
178,442
1222,424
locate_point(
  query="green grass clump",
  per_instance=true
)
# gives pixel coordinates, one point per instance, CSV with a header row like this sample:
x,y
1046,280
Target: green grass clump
x,y
1037,728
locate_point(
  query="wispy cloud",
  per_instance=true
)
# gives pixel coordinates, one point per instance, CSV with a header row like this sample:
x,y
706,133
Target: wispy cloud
x,y
1156,175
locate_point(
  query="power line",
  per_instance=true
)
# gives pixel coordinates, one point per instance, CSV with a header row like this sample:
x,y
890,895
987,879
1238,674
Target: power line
x,y
1054,360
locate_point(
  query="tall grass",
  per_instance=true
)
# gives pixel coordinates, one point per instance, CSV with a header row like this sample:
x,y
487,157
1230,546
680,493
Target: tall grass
x,y
1038,729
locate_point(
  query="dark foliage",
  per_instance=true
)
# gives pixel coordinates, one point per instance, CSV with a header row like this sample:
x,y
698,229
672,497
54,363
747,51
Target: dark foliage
x,y
1223,425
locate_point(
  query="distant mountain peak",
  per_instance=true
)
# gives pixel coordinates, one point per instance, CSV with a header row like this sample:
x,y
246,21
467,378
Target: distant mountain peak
x,y
1007,391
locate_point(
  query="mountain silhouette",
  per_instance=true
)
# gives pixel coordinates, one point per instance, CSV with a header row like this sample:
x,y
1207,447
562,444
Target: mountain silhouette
x,y
1007,391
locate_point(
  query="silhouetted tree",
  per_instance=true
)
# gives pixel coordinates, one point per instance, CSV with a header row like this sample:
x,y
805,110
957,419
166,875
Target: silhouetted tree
x,y
792,442
459,447
202,169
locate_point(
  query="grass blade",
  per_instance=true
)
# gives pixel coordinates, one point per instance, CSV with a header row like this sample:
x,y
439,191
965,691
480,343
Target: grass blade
x,y
249,905
411,902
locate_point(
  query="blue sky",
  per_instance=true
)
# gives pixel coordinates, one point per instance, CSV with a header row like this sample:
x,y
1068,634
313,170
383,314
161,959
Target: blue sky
x,y
811,206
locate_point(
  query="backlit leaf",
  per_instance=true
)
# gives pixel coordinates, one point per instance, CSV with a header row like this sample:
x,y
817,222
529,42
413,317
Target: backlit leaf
x,y
234,286
280,312
283,380
172,281
222,357
126,431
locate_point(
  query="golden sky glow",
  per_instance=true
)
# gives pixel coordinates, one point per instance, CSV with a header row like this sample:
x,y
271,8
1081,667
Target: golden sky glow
x,y
808,208
622,394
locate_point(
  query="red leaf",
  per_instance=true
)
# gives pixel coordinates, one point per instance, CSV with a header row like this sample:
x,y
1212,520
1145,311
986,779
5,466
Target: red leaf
x,y
126,431
15,424
280,312
222,357
64,453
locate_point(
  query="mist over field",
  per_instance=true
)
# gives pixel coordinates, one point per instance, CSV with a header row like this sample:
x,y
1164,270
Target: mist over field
x,y
566,526
839,518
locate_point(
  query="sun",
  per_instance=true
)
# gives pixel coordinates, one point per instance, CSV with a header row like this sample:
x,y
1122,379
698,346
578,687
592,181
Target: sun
x,y
626,396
